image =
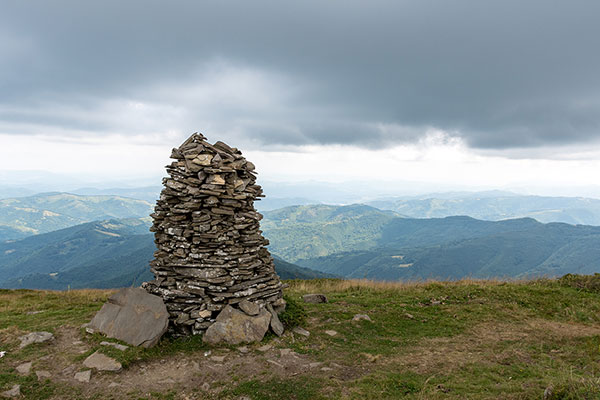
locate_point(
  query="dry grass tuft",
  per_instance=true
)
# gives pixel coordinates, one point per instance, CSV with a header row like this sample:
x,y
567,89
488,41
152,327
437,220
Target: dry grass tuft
x,y
337,285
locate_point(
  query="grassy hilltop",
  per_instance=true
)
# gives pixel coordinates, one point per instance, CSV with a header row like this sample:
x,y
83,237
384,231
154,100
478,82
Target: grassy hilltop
x,y
466,339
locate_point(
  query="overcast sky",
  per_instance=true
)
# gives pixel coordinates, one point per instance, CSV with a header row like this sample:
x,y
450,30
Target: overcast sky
x,y
494,94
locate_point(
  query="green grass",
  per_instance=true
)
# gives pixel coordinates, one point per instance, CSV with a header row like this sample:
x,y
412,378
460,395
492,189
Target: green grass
x,y
52,309
167,347
430,340
305,388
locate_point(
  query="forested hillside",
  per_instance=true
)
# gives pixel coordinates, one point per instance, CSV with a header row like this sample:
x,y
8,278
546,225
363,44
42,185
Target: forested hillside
x,y
395,248
46,212
101,254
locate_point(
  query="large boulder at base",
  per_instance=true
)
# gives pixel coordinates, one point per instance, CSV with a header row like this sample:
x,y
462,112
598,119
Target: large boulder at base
x,y
133,316
234,327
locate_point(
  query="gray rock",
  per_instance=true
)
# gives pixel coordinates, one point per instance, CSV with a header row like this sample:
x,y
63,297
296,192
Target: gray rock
x,y
234,327
361,317
102,363
286,352
301,331
15,391
133,316
83,376
265,348
218,359
331,332
276,325
41,375
249,307
25,368
314,298
35,337
279,305
115,345
275,363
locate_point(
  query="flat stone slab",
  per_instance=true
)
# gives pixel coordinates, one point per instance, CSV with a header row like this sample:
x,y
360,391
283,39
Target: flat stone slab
x,y
249,307
276,325
83,376
41,375
265,348
102,362
133,316
35,337
15,391
234,327
25,368
301,331
314,298
115,345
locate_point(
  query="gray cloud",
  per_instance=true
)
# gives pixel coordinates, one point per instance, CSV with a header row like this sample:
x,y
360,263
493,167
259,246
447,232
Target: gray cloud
x,y
501,75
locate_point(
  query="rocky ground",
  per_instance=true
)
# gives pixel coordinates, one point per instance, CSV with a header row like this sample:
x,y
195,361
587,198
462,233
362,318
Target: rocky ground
x,y
452,340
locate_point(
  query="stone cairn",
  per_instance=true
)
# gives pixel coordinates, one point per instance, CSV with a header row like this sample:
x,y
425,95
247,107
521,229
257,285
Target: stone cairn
x,y
211,252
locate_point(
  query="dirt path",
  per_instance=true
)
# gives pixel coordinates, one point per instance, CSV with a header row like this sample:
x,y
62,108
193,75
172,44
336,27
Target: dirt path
x,y
203,374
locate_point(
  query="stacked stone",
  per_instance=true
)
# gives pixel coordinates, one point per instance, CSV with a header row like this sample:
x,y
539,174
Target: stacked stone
x,y
211,252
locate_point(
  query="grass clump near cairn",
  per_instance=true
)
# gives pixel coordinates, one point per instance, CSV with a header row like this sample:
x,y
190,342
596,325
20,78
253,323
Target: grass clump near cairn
x,y
211,252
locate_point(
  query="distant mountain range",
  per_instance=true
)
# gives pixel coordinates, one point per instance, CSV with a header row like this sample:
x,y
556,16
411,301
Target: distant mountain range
x,y
100,254
379,245
496,206
301,232
47,212
60,240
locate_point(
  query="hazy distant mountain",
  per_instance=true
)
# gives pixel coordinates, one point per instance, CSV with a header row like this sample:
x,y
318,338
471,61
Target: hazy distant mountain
x,y
48,212
274,203
146,193
87,244
8,191
353,241
317,230
495,206
544,250
362,242
100,254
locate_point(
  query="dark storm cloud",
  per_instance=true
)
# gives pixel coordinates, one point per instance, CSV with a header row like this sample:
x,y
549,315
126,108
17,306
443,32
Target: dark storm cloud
x,y
502,74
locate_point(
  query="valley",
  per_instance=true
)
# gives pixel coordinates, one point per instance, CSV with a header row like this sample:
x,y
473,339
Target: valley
x,y
45,245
